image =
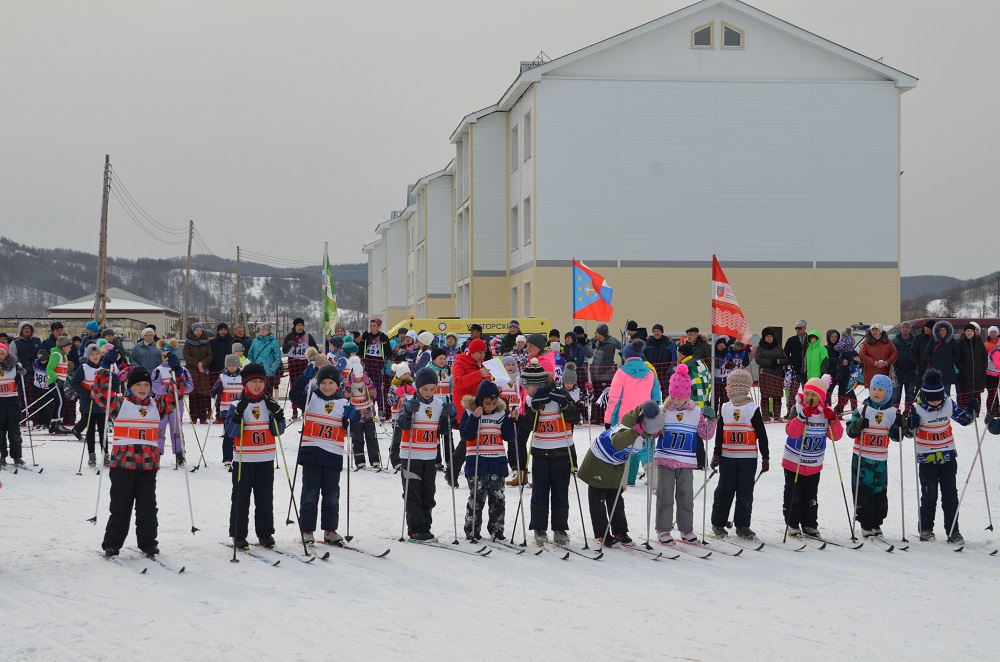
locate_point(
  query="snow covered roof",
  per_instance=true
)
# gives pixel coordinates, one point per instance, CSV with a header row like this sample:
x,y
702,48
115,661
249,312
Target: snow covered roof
x,y
120,301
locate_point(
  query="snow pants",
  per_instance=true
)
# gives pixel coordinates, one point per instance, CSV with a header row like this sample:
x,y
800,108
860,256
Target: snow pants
x,y
517,453
603,509
132,488
369,438
321,479
295,369
736,476
10,427
550,477
174,420
800,505
932,478
489,488
419,494
870,490
674,486
252,479
93,422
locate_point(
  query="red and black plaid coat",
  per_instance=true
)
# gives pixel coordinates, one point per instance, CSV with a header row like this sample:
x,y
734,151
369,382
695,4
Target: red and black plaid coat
x,y
140,457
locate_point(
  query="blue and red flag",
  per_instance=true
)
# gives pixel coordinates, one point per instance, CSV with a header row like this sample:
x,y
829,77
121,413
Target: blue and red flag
x,y
591,294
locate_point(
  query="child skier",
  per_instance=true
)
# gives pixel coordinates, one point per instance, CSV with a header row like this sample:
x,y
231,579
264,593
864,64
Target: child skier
x,y
603,469
929,423
327,417
90,382
363,398
872,427
135,460
549,415
228,388
402,389
414,452
679,451
41,412
56,374
439,364
167,377
811,425
252,422
10,408
485,427
451,348
737,442
240,351
510,391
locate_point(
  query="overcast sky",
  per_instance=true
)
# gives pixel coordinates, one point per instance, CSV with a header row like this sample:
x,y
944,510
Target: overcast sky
x,y
280,125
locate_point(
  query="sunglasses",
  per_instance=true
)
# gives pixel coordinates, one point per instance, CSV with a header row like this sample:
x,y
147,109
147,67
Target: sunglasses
x,y
800,328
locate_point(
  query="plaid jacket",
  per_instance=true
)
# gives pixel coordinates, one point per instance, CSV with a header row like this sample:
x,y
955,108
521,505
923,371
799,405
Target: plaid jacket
x,y
140,457
701,381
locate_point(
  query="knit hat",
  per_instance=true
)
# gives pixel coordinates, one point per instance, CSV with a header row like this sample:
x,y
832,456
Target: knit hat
x,y
232,359
883,382
508,360
253,371
43,355
221,325
487,389
400,369
685,348
578,330
108,331
55,325
514,323
436,352
569,375
377,320
328,372
266,326
801,323
145,331
680,383
92,326
297,321
196,326
538,340
101,344
976,326
412,334
631,325
971,326
138,374
652,417
355,366
534,375
603,330
477,345
350,347
238,347
658,326
64,341
929,324
933,387
425,338
521,338
4,348
92,348
818,385
738,385
336,341
424,377
633,350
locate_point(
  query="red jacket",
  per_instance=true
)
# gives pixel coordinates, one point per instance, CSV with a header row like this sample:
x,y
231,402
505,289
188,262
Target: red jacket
x,y
465,377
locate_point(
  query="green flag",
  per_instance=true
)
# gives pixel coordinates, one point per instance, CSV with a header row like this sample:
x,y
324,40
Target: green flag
x,y
329,296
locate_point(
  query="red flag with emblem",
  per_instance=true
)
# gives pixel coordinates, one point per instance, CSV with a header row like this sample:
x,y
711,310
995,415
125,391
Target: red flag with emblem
x,y
727,317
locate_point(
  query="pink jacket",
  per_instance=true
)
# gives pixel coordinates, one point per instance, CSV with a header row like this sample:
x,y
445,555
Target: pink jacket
x,y
547,360
627,393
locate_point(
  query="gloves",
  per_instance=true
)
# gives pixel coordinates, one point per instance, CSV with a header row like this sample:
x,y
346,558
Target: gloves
x,y
858,426
112,356
242,405
558,397
974,407
309,372
809,412
539,400
829,414
272,405
714,464
451,480
708,412
412,405
993,424
449,410
172,361
765,465
20,369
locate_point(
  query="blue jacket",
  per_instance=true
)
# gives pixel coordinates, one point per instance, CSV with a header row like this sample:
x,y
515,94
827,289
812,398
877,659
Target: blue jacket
x,y
266,351
944,355
468,429
661,351
906,369
313,455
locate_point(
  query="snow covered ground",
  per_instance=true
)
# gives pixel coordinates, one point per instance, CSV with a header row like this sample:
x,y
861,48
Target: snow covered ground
x,y
62,601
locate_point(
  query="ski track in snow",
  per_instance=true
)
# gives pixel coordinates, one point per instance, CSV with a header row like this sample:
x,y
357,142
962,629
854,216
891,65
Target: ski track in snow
x,y
63,602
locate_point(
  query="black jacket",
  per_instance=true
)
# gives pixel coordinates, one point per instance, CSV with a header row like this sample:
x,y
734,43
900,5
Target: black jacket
x,y
795,351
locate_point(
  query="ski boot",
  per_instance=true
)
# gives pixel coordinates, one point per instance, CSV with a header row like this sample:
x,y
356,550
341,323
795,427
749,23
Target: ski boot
x,y
927,536
690,536
150,551
107,460
180,459
333,538
664,537
18,462
541,538
241,543
811,531
719,531
92,460
266,541
955,538
109,552
746,533
308,538
560,537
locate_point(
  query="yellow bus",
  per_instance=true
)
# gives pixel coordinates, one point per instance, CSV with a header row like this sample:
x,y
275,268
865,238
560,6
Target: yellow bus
x,y
460,326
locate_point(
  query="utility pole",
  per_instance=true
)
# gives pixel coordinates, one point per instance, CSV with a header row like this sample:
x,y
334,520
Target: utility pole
x,y
187,281
239,291
102,259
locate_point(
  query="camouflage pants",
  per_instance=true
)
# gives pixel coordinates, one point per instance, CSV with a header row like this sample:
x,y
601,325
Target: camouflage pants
x,y
490,487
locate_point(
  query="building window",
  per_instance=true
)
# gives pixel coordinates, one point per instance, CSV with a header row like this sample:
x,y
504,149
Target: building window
x,y
514,225
513,301
732,36
515,159
527,136
526,213
527,299
703,36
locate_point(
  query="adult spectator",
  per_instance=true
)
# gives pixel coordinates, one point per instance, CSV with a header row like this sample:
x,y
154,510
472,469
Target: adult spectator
x,y
631,386
468,371
375,356
919,350
146,353
222,346
795,351
294,346
942,353
56,331
906,369
661,354
509,341
771,360
840,349
602,368
476,332
266,351
701,350
992,369
24,349
197,359
877,354
538,348
108,334
240,336
971,365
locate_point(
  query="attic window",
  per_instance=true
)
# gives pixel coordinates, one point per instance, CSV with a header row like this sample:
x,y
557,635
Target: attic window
x,y
703,36
732,36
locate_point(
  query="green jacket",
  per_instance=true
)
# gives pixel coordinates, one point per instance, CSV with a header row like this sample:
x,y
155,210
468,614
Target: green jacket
x,y
598,473
50,368
817,357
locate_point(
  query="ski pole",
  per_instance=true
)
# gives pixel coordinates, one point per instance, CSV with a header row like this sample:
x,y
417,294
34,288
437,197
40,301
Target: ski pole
x,y
614,504
704,496
83,448
180,428
916,475
288,476
649,486
202,448
291,499
975,458
475,481
795,484
576,485
454,507
35,406
347,536
521,510
197,439
407,475
520,494
239,476
843,490
857,479
31,440
902,502
982,469
710,477
100,473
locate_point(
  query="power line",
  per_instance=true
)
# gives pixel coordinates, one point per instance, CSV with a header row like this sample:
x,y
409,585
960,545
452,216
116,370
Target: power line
x,y
141,226
160,226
